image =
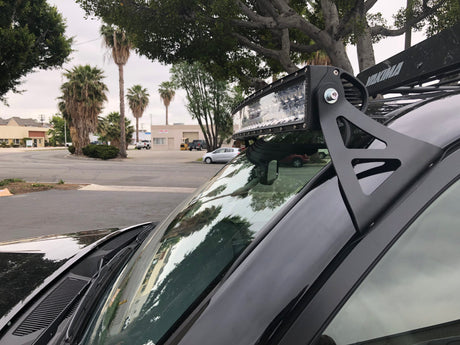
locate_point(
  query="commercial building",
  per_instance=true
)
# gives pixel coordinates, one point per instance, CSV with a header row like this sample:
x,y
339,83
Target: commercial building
x,y
169,137
14,130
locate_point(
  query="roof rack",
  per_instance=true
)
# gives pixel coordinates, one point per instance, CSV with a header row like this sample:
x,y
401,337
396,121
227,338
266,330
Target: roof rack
x,y
435,60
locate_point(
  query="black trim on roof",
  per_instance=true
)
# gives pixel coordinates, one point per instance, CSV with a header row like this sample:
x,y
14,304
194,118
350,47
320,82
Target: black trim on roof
x,y
437,57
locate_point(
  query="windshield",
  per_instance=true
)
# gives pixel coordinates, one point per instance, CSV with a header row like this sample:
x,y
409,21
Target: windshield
x,y
179,264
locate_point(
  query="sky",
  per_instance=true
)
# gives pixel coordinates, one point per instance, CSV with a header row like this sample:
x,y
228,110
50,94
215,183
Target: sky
x,y
41,88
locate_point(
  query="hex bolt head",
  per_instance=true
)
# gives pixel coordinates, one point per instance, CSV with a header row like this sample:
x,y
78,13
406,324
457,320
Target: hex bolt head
x,y
331,95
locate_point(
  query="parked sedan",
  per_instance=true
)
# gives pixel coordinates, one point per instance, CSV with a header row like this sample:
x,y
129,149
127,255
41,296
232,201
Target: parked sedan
x,y
222,155
295,160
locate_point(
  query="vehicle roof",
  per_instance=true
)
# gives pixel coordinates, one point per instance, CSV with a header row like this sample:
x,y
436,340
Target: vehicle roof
x,y
436,120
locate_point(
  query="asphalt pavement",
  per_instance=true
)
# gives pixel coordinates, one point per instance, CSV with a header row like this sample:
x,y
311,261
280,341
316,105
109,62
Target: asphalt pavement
x,y
145,187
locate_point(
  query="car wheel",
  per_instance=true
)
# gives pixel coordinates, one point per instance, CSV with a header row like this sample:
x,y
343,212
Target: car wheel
x,y
297,163
321,155
208,160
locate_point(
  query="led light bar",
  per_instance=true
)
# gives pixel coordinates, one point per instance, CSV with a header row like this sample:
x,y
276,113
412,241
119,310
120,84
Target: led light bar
x,y
286,105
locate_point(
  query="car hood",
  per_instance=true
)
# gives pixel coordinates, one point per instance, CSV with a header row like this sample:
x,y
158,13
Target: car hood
x,y
25,264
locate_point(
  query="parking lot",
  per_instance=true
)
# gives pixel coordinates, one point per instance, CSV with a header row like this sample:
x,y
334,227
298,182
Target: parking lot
x,y
118,193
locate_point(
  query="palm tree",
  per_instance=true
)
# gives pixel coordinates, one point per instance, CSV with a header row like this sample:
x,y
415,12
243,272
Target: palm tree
x,y
108,129
138,99
83,95
118,42
167,93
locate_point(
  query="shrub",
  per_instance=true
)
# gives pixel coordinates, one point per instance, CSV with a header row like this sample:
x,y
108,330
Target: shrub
x,y
71,149
100,151
90,150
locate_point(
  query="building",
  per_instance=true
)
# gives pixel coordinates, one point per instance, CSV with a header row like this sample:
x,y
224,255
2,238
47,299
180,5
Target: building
x,y
169,137
14,130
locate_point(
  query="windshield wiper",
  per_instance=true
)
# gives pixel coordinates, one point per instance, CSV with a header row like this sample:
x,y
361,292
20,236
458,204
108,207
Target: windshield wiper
x,y
97,286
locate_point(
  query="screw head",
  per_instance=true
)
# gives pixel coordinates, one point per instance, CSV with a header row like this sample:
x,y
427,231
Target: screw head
x,y
331,95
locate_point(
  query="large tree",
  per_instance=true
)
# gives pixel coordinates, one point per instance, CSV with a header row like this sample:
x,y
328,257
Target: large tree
x,y
120,46
233,37
32,36
167,93
83,95
208,101
138,99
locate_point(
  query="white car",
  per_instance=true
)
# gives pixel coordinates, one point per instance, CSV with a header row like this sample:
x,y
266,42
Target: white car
x,y
144,144
222,155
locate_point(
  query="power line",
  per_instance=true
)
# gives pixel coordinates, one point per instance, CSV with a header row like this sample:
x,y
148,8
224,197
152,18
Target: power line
x,y
95,39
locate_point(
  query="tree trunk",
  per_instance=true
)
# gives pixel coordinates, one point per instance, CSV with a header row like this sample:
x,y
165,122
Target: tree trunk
x,y
335,49
409,15
75,140
137,129
365,50
121,84
166,115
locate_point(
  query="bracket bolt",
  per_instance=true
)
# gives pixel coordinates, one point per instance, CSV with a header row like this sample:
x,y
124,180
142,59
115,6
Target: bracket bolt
x,y
331,95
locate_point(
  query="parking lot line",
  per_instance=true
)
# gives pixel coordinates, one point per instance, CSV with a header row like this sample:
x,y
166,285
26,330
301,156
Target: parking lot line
x,y
104,188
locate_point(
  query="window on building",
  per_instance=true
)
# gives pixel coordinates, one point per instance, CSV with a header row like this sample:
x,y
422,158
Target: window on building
x,y
159,141
412,295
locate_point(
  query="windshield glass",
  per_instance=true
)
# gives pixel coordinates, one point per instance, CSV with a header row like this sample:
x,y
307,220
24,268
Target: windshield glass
x,y
194,247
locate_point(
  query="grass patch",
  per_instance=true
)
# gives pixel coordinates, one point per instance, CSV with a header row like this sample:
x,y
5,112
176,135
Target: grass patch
x,y
8,181
19,186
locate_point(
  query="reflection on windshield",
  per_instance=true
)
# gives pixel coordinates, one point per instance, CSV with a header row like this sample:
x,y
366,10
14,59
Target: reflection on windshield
x,y
168,276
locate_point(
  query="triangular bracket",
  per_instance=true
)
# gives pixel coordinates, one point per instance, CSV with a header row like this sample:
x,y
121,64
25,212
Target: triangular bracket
x,y
411,155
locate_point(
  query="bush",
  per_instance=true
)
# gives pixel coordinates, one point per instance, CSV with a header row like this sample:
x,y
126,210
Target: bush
x,y
71,149
100,151
90,151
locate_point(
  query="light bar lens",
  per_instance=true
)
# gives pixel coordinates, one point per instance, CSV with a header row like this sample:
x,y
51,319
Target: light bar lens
x,y
281,107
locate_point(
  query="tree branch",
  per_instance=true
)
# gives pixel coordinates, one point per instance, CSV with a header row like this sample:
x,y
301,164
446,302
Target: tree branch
x,y
282,56
282,6
266,21
304,48
271,53
268,8
380,30
346,23
368,5
331,16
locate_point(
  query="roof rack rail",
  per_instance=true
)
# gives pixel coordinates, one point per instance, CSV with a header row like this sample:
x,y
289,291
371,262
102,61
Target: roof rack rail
x,y
436,58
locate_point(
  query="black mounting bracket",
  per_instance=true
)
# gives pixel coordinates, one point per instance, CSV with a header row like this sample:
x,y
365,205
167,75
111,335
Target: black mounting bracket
x,y
404,156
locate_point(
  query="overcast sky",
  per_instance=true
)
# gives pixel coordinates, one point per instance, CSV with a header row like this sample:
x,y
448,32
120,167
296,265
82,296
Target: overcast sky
x,y
42,87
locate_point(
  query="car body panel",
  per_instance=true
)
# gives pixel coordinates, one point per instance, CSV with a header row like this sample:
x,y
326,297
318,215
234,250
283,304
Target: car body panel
x,y
51,257
356,265
38,258
221,155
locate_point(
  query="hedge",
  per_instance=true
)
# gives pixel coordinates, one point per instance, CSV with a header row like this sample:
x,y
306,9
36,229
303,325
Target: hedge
x,y
100,151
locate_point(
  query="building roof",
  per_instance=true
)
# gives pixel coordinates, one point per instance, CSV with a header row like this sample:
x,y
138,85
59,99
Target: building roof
x,y
23,122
